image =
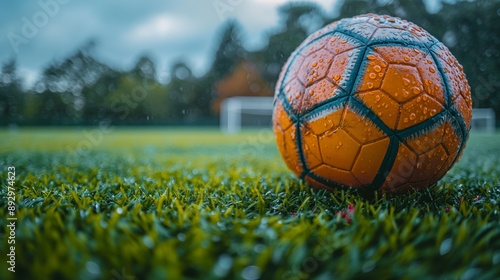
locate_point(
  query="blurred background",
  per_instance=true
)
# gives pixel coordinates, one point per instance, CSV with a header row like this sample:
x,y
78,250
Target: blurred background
x,y
175,62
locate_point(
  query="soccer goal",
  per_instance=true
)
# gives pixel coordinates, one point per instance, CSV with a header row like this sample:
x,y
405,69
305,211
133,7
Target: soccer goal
x,y
244,112
483,120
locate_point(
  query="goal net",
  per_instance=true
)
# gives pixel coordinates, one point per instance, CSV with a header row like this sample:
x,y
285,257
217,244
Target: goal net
x,y
483,120
245,112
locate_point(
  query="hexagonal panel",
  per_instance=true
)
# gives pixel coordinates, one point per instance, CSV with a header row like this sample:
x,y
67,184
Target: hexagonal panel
x,y
343,177
314,183
388,22
362,28
428,141
315,67
429,164
465,109
402,82
433,85
314,45
287,146
342,68
369,160
412,186
447,164
392,34
451,141
372,73
338,149
310,148
444,55
345,23
400,55
340,43
402,169
293,66
382,105
326,120
418,110
319,92
280,117
457,82
363,130
293,92
422,35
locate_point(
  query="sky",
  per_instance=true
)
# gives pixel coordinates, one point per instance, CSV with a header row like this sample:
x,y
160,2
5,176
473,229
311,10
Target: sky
x,y
39,32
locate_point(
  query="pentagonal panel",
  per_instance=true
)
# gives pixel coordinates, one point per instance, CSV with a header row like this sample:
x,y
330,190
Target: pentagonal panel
x,y
418,110
402,82
369,160
314,67
363,130
383,106
319,92
372,73
338,149
343,177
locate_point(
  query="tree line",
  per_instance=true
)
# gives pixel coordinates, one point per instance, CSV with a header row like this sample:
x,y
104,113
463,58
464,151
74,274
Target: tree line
x,y
81,89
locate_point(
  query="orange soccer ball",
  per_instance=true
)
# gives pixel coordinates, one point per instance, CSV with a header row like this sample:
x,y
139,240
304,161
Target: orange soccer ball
x,y
371,102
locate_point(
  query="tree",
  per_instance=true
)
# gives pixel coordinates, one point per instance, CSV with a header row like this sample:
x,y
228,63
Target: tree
x,y
472,36
297,20
229,51
11,93
244,81
69,77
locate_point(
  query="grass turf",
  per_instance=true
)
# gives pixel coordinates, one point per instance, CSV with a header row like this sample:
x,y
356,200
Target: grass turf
x,y
174,203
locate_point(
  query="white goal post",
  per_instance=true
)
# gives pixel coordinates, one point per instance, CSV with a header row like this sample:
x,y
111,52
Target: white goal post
x,y
245,111
483,120
256,111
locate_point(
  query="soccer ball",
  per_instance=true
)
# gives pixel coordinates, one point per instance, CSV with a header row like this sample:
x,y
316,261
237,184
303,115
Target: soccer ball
x,y
374,103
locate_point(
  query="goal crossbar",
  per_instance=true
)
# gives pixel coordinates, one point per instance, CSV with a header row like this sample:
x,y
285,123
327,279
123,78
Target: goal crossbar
x,y
233,109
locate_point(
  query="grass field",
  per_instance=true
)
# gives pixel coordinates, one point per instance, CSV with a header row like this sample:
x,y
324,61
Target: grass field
x,y
178,203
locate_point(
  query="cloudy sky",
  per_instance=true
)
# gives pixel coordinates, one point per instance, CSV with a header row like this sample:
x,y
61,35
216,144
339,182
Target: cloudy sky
x,y
38,33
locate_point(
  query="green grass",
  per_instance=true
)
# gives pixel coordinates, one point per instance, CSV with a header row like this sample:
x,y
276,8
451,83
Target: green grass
x,y
165,203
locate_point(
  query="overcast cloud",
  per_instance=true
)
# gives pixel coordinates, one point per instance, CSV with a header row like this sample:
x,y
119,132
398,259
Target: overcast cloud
x,y
38,32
